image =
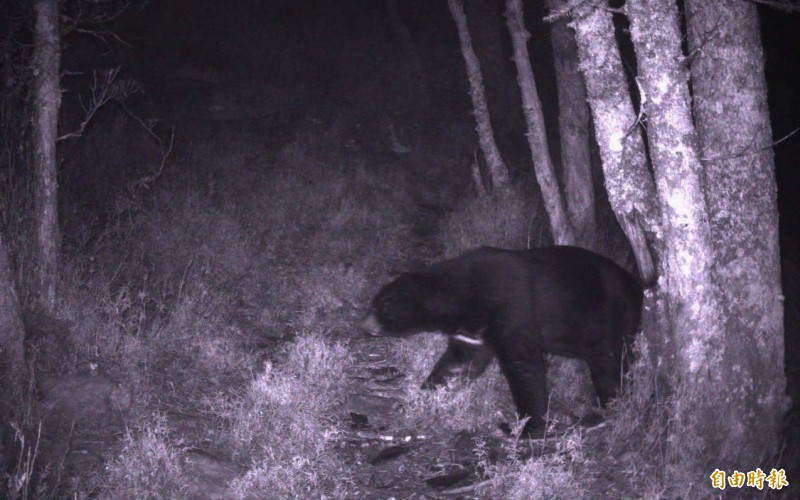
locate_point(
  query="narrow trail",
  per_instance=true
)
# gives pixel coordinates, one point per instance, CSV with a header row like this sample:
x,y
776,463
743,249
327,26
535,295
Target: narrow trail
x,y
392,461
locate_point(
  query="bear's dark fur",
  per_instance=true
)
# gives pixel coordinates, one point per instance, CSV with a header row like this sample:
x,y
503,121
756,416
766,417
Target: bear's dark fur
x,y
517,305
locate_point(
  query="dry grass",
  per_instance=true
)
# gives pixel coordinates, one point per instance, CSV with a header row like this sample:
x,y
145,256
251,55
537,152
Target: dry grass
x,y
550,477
148,468
482,403
285,424
173,295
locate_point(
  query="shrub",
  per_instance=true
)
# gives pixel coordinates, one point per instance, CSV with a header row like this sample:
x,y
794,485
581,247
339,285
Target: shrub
x,y
284,423
149,466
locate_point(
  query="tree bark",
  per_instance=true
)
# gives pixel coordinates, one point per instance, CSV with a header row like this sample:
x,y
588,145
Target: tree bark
x,y
700,435
732,119
573,125
630,186
47,101
497,168
487,30
537,137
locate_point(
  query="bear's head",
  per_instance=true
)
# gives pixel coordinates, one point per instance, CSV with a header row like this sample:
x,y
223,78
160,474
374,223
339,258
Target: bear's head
x,y
412,303
397,309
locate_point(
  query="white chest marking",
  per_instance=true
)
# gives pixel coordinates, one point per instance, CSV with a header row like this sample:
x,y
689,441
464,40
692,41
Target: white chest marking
x,y
468,340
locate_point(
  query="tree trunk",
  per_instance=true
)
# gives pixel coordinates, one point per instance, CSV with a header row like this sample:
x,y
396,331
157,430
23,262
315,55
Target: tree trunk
x,y
573,125
704,416
732,118
497,168
46,102
488,34
630,186
537,137
12,339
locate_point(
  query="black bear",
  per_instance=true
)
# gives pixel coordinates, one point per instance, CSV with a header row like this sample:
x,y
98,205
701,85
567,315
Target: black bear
x,y
517,305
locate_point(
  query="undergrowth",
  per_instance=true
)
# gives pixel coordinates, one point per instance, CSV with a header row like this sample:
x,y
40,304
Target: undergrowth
x,y
285,424
231,302
505,220
149,466
232,299
480,404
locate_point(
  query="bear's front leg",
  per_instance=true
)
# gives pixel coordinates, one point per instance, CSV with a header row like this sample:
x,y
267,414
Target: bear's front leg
x,y
461,359
526,372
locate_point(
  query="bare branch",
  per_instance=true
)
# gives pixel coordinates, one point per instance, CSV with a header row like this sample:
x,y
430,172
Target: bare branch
x,y
148,124
749,152
565,12
468,488
93,15
103,36
103,91
106,89
145,181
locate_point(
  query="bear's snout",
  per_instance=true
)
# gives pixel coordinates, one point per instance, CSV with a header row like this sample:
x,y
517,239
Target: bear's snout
x,y
371,326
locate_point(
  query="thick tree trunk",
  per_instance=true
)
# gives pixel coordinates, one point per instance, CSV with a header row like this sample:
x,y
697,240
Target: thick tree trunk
x,y
573,125
630,186
46,102
537,137
732,118
701,431
497,168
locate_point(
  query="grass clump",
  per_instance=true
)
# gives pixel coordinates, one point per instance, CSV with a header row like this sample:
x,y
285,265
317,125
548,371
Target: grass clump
x,y
149,466
207,237
461,405
640,420
285,423
557,474
547,477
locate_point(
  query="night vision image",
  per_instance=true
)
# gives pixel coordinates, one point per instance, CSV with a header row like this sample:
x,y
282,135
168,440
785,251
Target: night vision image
x,y
399,249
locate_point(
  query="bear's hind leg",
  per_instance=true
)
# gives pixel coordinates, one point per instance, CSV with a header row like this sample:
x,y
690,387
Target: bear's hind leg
x,y
461,359
606,372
